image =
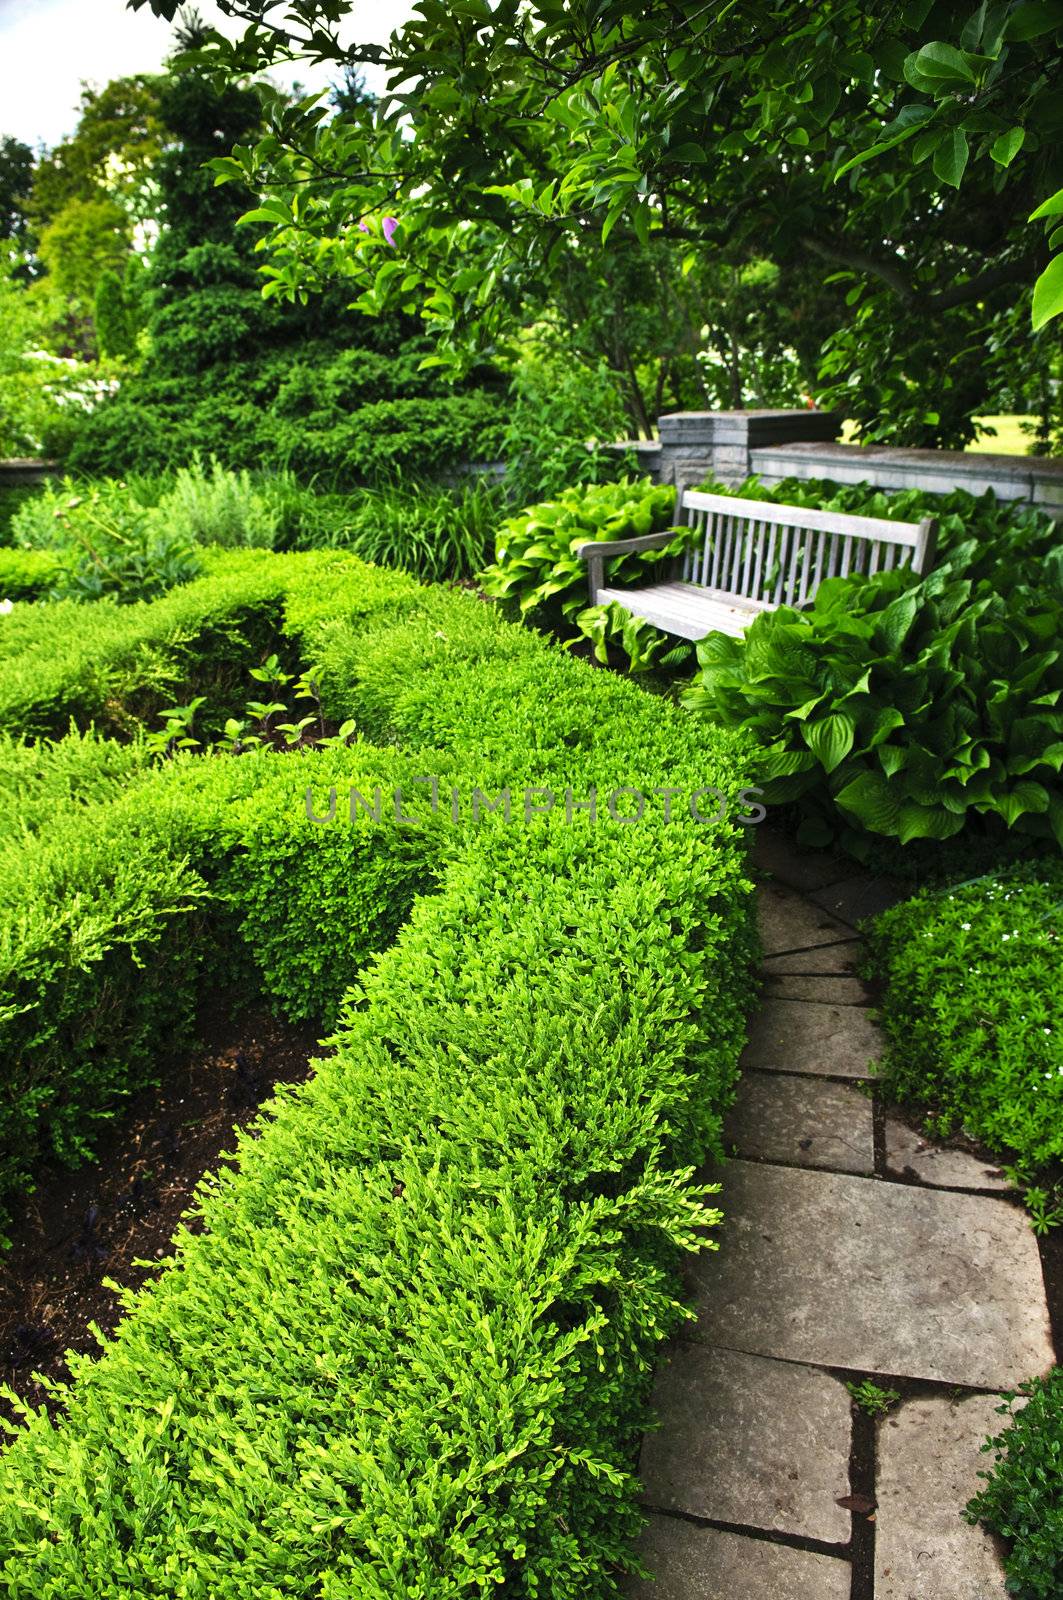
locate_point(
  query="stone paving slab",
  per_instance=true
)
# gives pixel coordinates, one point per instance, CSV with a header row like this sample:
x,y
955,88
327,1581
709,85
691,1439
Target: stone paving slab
x,y
830,958
909,1154
888,1278
929,1456
790,922
857,898
755,1443
808,1036
692,1563
802,1122
828,988
803,870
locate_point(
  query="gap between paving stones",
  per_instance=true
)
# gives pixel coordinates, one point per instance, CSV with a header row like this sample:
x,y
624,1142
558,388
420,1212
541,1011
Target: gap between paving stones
x,y
852,1249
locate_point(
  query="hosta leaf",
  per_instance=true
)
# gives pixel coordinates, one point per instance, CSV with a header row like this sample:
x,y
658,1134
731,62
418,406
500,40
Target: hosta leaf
x,y
830,739
1024,797
871,801
896,621
885,721
783,763
805,711
926,822
892,757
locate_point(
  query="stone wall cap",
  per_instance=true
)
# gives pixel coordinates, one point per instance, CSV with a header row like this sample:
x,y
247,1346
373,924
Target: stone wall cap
x,y
972,462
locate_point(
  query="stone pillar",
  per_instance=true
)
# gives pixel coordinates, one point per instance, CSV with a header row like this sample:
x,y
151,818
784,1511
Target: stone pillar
x,y
699,444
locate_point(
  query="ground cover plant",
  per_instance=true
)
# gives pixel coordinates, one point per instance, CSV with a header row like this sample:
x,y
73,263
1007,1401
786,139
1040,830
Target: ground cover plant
x,y
909,709
973,1011
103,541
516,1190
1022,1500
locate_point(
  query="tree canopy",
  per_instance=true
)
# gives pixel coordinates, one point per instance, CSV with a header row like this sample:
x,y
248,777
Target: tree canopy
x,y
906,146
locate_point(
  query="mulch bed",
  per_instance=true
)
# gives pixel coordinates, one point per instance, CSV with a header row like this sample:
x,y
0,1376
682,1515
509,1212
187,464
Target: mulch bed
x,y
80,1227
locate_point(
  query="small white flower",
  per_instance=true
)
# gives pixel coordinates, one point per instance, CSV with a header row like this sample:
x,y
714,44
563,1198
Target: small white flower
x,y
6,607
966,926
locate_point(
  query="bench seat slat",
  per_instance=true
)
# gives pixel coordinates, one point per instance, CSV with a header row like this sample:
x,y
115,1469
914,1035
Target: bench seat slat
x,y
686,609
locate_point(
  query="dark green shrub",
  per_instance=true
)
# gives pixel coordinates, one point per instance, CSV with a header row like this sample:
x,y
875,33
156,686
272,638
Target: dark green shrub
x,y
973,1008
251,414
1023,1498
561,418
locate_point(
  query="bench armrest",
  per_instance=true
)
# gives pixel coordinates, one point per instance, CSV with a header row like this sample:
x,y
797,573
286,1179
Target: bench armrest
x,y
622,547
597,552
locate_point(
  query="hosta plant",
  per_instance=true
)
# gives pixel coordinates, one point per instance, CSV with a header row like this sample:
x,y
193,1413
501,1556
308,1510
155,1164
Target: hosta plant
x,y
535,560
902,709
643,645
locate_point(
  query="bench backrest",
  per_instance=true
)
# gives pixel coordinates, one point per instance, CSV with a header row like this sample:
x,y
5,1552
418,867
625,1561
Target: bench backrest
x,y
778,555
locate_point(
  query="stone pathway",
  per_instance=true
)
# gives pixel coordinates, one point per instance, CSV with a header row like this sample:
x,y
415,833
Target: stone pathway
x,y
851,1249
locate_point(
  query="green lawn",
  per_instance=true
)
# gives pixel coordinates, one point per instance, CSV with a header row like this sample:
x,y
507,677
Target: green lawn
x,y
1007,439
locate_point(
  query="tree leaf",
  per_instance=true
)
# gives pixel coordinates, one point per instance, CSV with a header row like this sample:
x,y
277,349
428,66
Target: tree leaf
x,y
939,63
1048,294
1004,149
1052,207
950,157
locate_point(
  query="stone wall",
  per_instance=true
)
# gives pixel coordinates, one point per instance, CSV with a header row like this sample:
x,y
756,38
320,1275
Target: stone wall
x,y
729,445
16,473
1032,479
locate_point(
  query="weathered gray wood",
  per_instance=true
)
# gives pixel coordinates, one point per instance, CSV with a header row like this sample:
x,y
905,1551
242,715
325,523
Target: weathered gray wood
x,y
804,516
687,610
752,556
596,551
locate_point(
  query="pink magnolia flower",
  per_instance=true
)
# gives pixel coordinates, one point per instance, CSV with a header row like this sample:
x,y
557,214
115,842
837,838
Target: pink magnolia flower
x,y
389,226
363,226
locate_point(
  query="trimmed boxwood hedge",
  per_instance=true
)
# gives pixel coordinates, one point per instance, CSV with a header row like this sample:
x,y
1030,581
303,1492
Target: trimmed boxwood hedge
x,y
408,1352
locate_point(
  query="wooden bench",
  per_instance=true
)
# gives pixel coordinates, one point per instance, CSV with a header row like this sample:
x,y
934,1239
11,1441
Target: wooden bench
x,y
750,556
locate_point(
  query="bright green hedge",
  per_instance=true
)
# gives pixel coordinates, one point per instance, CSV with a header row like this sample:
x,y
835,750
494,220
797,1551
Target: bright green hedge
x,y
25,574
40,780
115,666
109,911
409,1353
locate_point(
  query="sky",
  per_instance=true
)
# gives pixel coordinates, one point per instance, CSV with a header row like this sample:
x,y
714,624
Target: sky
x,y
49,47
